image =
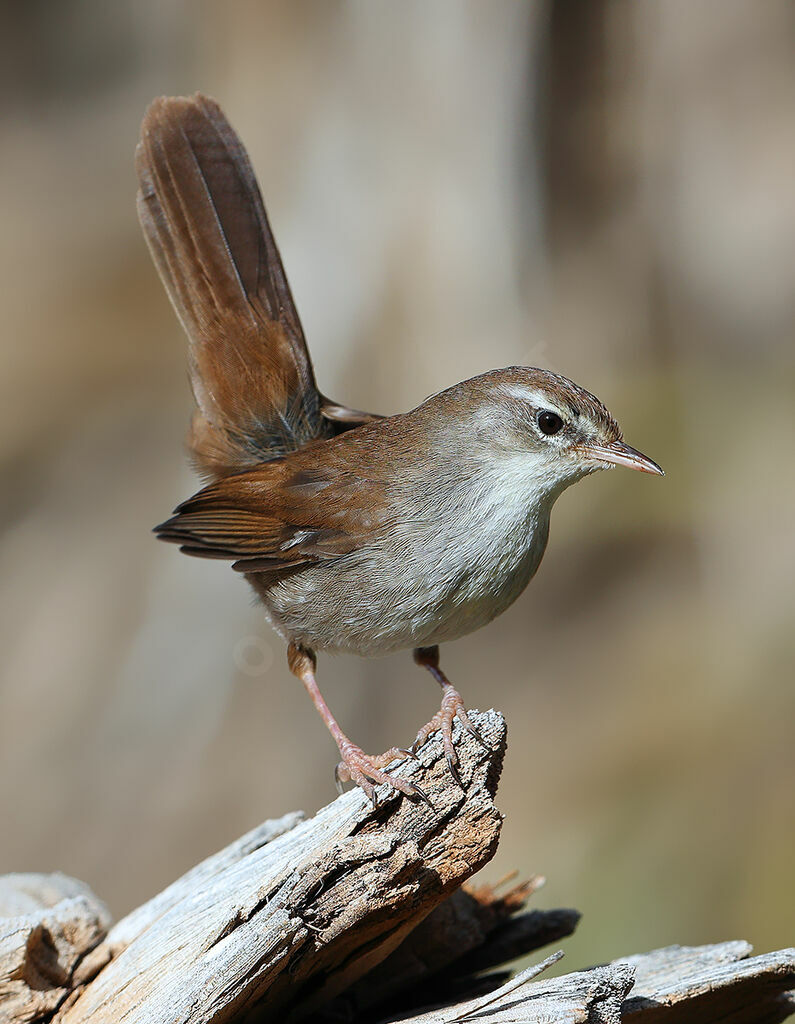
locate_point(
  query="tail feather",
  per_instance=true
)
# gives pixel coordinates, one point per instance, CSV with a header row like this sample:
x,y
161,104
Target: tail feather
x,y
205,223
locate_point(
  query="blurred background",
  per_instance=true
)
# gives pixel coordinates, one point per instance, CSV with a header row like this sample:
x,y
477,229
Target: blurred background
x,y
606,189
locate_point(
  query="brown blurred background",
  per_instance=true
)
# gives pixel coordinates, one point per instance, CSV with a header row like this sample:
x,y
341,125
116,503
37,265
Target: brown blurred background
x,y
603,188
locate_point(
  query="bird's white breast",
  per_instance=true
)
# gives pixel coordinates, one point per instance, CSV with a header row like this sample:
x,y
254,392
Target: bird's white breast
x,y
491,555
456,555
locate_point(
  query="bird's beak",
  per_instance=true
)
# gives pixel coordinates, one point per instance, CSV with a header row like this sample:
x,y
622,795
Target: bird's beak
x,y
622,455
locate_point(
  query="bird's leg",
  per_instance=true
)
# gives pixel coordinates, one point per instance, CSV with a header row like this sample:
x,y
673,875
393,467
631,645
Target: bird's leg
x,y
356,766
452,707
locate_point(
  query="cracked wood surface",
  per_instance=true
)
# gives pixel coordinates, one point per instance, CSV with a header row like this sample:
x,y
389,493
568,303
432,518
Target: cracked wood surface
x,y
51,928
300,909
355,914
676,985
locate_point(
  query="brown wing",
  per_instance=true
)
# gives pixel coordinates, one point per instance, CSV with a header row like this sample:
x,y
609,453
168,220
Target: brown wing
x,y
306,507
204,220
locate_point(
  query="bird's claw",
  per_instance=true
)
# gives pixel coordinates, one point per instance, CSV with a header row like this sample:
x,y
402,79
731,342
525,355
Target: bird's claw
x,y
452,707
452,764
473,732
365,771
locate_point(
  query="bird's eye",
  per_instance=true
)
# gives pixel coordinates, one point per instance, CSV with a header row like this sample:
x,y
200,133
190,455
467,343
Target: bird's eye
x,y
549,422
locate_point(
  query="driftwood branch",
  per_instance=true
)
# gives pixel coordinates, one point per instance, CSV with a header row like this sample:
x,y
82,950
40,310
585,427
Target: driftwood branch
x,y
677,985
356,914
51,928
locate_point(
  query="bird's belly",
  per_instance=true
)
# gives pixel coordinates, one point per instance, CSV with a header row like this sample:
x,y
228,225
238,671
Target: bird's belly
x,y
474,601
375,602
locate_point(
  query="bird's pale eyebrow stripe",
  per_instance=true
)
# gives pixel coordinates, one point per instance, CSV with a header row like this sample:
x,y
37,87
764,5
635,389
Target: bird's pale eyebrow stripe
x,y
537,399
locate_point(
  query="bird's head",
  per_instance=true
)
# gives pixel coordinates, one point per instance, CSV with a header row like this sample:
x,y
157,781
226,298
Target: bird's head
x,y
543,429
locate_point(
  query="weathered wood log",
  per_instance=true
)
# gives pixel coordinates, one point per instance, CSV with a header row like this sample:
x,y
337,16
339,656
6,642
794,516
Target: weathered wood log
x,y
471,931
51,928
704,983
299,911
676,985
356,914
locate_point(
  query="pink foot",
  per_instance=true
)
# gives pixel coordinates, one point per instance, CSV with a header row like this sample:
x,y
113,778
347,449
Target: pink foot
x,y
365,771
452,708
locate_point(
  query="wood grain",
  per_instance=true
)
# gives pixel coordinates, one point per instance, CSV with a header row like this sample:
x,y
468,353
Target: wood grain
x,y
356,914
299,911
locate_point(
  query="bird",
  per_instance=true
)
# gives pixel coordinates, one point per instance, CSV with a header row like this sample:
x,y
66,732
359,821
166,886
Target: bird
x,y
359,533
